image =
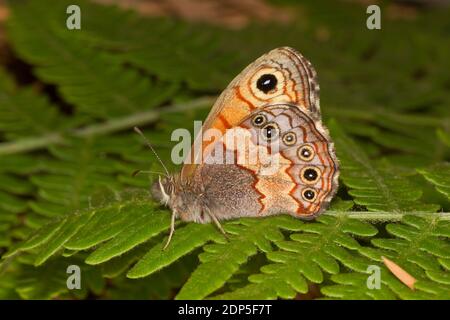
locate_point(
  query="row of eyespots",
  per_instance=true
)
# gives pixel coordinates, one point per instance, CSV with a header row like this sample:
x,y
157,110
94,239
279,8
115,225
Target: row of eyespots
x,y
271,131
309,174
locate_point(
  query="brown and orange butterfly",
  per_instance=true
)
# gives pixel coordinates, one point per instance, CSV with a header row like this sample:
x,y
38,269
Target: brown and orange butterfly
x,y
274,105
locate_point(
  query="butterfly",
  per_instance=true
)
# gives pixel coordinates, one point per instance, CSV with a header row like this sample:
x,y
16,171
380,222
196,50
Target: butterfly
x,y
274,104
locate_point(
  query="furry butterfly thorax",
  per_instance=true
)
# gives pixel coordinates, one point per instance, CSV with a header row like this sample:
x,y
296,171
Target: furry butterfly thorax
x,y
273,101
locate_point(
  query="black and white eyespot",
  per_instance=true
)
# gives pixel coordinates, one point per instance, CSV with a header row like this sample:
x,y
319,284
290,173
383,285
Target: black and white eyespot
x,y
289,138
310,175
259,120
267,82
270,131
306,152
309,194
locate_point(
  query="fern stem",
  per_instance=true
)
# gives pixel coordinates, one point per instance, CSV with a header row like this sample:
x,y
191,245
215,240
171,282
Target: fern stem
x,y
387,216
109,126
29,144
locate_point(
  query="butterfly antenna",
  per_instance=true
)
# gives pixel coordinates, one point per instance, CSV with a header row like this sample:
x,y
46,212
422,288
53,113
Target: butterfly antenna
x,y
172,229
138,131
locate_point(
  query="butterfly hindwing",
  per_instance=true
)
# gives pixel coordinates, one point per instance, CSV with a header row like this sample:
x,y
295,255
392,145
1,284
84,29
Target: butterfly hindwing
x,y
298,173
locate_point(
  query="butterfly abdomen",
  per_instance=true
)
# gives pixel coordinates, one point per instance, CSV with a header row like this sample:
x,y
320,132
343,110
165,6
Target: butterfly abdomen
x,y
232,194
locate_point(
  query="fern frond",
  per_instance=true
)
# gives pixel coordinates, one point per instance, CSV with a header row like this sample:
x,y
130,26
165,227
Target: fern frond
x,y
20,164
371,185
220,261
14,190
67,182
419,246
438,175
91,80
184,241
25,113
182,47
157,286
12,193
313,251
53,279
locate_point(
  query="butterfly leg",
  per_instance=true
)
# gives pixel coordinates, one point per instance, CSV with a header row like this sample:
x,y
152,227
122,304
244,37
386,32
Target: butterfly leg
x,y
216,221
172,229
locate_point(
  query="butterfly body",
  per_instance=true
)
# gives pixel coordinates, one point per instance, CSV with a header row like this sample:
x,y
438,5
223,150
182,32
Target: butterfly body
x,y
273,154
275,183
210,192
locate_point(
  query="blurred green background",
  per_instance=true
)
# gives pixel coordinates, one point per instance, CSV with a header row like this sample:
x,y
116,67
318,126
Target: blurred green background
x,y
69,100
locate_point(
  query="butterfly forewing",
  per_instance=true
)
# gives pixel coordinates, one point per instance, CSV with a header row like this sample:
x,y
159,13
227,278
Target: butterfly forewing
x,y
282,75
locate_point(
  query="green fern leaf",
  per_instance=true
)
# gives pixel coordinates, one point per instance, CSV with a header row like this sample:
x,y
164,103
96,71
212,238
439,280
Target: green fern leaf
x,y
220,261
25,113
141,230
371,185
82,73
157,286
184,241
50,281
68,182
439,175
317,249
419,245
